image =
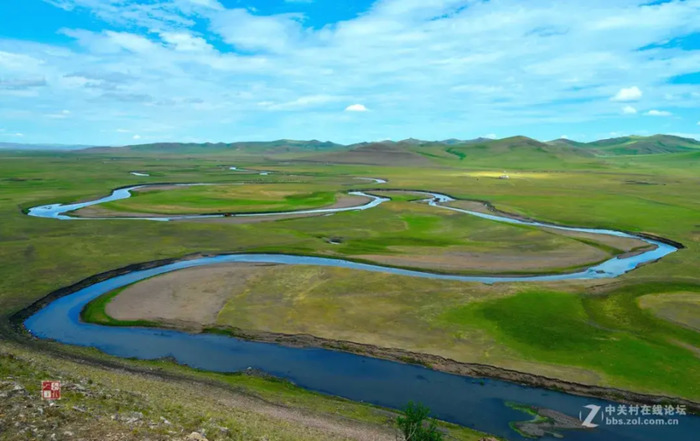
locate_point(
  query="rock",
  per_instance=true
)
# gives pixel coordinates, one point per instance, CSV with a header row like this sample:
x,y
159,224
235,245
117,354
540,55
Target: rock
x,y
196,436
134,417
165,421
488,438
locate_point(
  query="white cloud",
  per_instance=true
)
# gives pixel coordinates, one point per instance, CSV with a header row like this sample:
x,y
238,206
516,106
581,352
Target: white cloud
x,y
213,4
183,41
136,137
629,110
303,102
59,115
628,94
490,136
14,61
356,108
246,31
4,133
658,113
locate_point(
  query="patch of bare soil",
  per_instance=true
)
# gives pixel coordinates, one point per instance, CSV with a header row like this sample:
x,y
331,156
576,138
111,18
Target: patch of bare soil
x,y
188,298
494,263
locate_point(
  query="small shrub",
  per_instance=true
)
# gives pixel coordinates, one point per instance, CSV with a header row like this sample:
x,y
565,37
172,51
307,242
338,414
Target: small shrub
x,y
415,425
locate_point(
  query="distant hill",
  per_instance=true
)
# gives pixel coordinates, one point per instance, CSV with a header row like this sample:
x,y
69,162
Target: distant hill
x,y
253,147
506,153
451,141
374,153
516,144
512,150
509,153
644,145
566,142
20,146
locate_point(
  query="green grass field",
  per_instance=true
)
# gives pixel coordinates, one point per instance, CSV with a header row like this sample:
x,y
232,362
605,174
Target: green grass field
x,y
224,199
593,332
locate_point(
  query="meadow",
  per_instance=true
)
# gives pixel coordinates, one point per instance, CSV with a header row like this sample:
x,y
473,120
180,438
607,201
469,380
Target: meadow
x,y
600,332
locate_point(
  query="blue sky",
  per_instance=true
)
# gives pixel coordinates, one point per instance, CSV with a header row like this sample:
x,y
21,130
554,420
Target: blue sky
x,y
116,72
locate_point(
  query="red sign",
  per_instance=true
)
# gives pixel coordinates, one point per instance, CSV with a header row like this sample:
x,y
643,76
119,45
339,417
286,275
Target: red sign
x,y
51,390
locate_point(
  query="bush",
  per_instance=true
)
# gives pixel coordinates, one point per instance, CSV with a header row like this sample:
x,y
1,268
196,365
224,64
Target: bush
x,y
415,425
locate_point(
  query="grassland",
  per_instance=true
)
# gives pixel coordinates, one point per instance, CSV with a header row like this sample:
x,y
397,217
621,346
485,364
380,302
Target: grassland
x,y
679,307
224,199
500,325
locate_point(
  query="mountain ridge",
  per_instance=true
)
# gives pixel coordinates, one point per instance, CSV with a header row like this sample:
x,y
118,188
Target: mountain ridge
x,y
451,147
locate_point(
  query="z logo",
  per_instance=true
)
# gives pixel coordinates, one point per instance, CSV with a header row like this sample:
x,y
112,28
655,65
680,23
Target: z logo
x,y
588,422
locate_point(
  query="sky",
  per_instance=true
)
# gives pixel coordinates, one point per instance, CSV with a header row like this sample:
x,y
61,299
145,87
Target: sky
x,y
119,72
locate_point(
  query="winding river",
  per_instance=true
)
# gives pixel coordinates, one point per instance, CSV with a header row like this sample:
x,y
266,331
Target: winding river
x,y
61,211
477,403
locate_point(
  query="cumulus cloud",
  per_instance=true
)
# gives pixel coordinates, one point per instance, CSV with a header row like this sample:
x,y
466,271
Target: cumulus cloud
x,y
628,94
356,108
654,112
629,110
136,137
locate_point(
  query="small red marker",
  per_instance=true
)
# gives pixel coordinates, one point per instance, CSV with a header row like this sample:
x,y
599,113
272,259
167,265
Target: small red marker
x,y
51,390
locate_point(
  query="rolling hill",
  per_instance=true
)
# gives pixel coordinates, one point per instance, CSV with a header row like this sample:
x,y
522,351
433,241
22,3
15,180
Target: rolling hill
x,y
375,153
252,147
643,145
